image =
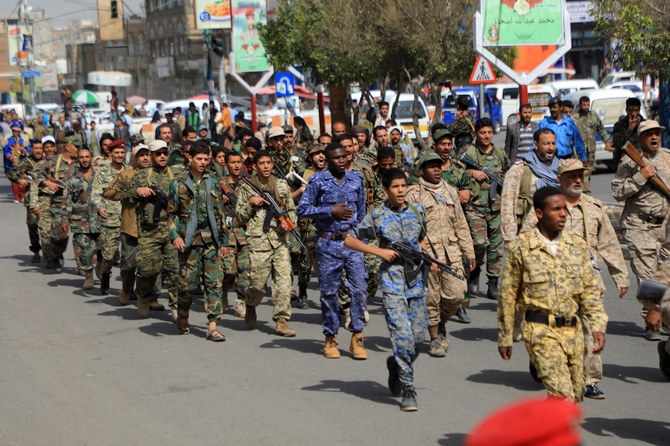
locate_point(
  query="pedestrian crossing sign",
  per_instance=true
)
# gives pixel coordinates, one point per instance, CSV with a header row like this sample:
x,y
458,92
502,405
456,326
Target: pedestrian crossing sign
x,y
482,73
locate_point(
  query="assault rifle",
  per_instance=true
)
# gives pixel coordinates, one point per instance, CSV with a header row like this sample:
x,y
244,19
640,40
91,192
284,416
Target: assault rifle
x,y
293,179
415,260
160,201
632,152
494,179
274,211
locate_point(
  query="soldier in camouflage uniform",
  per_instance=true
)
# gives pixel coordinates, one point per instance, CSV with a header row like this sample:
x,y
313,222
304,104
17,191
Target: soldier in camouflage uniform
x,y
236,261
80,215
448,240
404,297
110,214
548,275
589,124
269,251
626,129
463,127
195,209
23,175
148,189
40,200
50,176
483,209
280,153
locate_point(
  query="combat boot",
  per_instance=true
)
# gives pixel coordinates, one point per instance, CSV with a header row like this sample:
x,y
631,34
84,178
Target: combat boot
x,y
88,280
250,316
36,257
356,346
492,292
330,349
473,282
302,297
282,328
154,305
409,403
104,283
143,306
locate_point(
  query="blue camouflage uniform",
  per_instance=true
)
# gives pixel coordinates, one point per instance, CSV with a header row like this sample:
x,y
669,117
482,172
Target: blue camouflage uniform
x,y
404,303
322,193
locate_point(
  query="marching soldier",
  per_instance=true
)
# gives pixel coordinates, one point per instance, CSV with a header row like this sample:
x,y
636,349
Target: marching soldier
x,y
463,127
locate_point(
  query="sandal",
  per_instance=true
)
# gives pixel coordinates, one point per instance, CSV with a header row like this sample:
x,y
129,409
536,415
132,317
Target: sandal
x,y
215,336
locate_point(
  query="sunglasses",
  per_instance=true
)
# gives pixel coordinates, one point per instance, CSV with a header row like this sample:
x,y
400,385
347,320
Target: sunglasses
x,y
161,153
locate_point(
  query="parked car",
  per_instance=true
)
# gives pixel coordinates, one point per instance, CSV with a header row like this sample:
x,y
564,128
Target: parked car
x,y
634,86
492,106
565,87
618,76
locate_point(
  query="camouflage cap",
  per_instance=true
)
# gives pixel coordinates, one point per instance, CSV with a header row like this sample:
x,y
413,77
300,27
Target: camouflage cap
x,y
442,133
287,129
428,157
275,132
570,165
315,148
136,139
74,140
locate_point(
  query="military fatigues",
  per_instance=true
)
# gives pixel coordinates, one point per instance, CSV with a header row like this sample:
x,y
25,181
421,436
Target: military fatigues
x,y
483,211
556,284
155,252
322,193
622,134
269,251
517,199
589,125
110,227
404,302
196,216
644,211
24,168
81,215
463,130
51,207
236,262
448,240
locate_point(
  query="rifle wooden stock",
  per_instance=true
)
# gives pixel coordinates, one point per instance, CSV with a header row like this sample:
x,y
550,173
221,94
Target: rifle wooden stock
x,y
633,154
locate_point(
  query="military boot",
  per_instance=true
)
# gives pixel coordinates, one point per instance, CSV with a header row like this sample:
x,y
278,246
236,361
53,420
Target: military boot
x,y
36,257
88,280
250,316
356,346
127,284
282,328
154,305
492,291
409,403
104,283
473,282
302,297
143,306
330,349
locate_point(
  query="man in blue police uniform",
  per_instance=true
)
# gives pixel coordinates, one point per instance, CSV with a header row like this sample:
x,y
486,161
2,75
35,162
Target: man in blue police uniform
x,y
335,201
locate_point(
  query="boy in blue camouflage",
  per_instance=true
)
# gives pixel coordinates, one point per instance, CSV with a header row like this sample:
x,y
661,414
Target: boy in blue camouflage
x,y
403,289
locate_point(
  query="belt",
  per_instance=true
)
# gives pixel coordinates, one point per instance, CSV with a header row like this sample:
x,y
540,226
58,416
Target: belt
x,y
650,219
542,318
336,236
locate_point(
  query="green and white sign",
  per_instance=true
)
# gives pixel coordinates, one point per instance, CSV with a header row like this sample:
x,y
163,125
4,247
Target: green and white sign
x,y
522,22
247,46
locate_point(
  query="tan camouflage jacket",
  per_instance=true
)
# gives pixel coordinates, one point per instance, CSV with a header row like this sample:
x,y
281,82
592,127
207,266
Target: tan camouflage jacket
x,y
511,207
446,226
535,280
103,179
641,197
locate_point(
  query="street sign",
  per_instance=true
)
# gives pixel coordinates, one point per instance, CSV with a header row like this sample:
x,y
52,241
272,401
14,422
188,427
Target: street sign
x,y
30,73
482,73
285,83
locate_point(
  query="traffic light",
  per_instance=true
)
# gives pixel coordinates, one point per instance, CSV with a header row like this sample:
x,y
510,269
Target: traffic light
x,y
114,9
217,44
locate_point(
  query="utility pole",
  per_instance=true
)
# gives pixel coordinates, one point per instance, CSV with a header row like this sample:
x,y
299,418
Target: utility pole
x,y
25,23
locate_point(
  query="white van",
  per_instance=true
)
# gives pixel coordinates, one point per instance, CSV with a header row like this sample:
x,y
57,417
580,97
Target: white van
x,y
570,86
508,96
618,76
610,105
404,114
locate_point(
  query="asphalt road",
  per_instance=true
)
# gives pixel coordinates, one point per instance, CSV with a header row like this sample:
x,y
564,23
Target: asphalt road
x,y
78,369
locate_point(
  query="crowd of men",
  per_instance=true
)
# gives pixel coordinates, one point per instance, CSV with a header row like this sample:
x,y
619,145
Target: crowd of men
x,y
373,213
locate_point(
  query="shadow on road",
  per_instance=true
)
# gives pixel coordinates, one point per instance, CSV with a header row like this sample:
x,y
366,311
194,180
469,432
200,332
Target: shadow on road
x,y
476,334
648,431
625,328
308,346
514,379
367,390
484,304
452,440
629,374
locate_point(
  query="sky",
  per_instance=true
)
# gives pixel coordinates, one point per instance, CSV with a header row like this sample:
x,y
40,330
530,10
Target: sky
x,y
67,9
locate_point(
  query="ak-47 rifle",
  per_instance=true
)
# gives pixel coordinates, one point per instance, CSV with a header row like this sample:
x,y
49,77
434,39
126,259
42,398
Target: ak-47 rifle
x,y
495,179
293,179
160,201
274,211
415,260
633,154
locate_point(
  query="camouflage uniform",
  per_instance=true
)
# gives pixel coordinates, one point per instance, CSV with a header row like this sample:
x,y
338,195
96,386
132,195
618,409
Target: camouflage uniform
x,y
282,158
463,130
57,169
644,211
110,227
24,168
556,285
196,216
589,125
269,251
448,240
81,215
483,212
155,252
517,199
404,303
236,262
622,134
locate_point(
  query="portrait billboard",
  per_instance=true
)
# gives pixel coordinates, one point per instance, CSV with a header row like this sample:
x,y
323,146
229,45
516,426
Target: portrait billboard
x,y
249,51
